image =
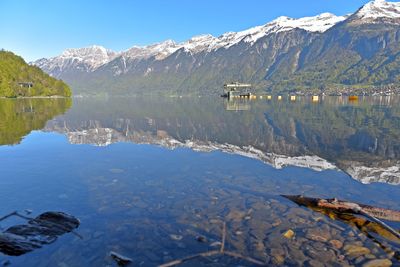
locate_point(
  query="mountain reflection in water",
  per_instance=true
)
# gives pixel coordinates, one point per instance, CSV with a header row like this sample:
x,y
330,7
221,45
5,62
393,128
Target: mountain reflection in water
x,y
361,138
162,176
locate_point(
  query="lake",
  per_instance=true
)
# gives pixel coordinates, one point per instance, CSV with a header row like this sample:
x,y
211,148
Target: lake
x,y
160,179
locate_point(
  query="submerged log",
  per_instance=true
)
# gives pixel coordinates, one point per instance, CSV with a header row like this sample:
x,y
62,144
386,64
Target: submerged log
x,y
120,259
345,211
346,207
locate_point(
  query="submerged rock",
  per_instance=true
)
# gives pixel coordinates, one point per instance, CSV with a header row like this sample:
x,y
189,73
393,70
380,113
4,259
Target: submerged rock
x,y
289,234
5,263
44,229
378,263
120,259
317,234
336,243
176,237
201,239
355,251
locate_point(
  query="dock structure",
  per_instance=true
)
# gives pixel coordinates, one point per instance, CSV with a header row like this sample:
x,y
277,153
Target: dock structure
x,y
236,89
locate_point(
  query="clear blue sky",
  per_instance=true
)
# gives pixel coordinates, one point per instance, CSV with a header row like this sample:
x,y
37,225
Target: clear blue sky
x,y
44,28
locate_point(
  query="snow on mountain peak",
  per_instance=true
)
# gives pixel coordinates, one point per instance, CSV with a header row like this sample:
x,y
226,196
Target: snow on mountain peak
x,y
87,51
207,42
90,58
199,43
379,9
201,37
318,23
85,59
93,56
158,50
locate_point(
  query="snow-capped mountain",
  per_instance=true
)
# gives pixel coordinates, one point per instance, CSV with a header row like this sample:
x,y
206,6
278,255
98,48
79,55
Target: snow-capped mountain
x,y
158,50
379,11
284,54
90,58
209,43
84,59
319,23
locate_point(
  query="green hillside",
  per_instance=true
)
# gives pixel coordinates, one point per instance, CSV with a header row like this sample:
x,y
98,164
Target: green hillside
x,y
18,79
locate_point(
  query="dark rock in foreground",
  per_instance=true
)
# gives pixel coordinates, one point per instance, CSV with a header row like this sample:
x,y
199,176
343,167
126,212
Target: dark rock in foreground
x,y
44,229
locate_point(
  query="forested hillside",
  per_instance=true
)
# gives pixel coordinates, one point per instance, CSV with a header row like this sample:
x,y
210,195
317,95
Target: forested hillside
x,y
18,79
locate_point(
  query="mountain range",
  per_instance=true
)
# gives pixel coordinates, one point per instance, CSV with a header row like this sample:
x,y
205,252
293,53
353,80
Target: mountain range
x,y
321,53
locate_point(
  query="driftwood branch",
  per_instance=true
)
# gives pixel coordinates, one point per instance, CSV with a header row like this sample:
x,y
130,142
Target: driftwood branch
x,y
385,214
223,238
8,215
346,207
188,258
390,229
237,255
15,213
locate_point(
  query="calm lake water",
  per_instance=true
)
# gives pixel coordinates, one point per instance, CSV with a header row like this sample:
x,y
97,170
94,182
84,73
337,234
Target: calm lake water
x,y
155,179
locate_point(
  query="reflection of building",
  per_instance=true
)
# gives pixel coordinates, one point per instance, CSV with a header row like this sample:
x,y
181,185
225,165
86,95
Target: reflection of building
x,y
237,104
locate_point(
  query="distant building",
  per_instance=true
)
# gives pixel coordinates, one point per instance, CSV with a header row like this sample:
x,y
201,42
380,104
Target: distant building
x,y
236,85
241,89
25,84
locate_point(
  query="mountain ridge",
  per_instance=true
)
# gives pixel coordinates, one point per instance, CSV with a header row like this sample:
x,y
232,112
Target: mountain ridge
x,y
207,42
282,46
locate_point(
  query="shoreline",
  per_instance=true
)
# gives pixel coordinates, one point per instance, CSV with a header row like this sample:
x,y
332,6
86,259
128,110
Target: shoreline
x,y
29,97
